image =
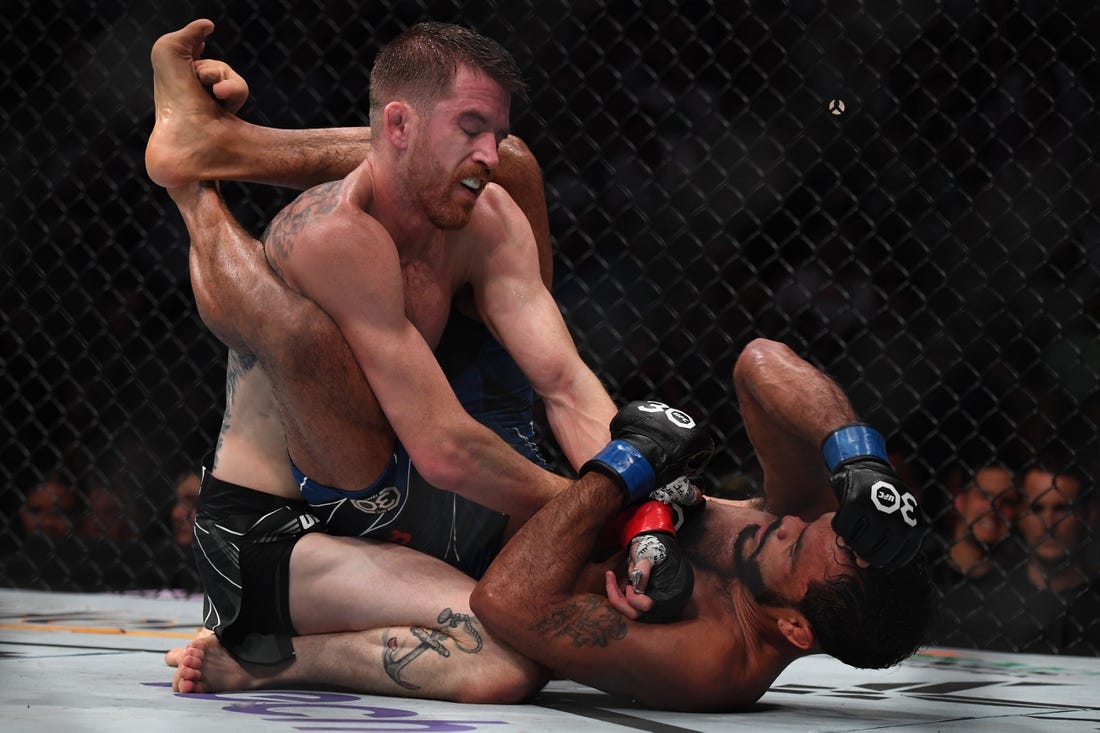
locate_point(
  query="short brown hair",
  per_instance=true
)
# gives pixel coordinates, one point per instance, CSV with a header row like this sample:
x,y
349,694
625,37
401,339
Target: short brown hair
x,y
421,63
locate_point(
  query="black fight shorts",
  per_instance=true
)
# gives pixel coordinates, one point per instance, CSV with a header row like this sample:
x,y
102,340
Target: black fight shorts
x,y
243,540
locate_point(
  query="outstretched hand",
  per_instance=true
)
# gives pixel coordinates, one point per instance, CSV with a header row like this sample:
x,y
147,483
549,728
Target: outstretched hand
x,y
624,598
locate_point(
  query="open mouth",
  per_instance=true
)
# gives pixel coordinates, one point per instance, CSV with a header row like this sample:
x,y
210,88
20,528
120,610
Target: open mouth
x,y
473,185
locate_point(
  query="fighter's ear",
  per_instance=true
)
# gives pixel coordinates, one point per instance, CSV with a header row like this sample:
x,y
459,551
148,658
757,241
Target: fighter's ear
x,y
396,121
796,629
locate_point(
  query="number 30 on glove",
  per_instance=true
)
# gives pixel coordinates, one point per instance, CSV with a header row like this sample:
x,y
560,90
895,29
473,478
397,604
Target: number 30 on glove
x,y
652,445
877,516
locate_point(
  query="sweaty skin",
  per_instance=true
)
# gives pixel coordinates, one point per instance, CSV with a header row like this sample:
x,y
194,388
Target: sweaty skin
x,y
742,626
739,631
182,104
236,295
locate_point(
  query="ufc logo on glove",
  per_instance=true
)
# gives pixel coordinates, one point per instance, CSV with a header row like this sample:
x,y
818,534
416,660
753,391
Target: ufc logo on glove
x,y
878,520
651,446
887,500
679,418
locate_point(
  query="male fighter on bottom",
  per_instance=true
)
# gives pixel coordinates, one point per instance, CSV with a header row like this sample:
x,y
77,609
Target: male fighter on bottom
x,y
774,580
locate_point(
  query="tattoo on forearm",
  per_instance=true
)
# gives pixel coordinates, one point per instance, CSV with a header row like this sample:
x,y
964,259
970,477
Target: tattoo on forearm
x,y
466,639
588,622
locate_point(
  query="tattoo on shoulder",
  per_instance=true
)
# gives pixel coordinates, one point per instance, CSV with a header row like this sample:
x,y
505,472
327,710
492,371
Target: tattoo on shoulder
x,y
459,630
588,622
288,224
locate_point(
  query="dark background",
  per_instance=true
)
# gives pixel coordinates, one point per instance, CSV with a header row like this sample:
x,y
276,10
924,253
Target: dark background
x,y
935,248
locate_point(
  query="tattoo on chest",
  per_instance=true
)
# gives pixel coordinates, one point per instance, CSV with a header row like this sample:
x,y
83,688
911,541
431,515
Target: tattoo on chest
x,y
587,622
464,637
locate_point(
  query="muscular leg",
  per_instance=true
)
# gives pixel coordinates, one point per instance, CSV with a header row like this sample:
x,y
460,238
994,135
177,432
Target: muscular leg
x,y
334,427
194,137
336,582
422,640
251,311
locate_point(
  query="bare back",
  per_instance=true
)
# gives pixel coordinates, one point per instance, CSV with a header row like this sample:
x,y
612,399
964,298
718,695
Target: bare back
x,y
252,445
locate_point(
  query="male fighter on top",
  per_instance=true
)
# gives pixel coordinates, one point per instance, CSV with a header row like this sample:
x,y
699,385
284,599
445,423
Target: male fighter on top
x,y
413,236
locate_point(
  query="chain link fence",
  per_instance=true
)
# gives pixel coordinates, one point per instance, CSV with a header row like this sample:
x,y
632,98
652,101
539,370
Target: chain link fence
x,y
904,192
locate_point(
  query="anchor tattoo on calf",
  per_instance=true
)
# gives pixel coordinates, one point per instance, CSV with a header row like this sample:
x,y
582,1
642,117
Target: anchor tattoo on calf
x,y
468,641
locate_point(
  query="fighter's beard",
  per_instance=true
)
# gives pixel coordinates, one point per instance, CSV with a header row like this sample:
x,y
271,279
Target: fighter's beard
x,y
747,569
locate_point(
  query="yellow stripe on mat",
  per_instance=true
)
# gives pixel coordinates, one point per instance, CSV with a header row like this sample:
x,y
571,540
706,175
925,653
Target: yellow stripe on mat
x,y
99,630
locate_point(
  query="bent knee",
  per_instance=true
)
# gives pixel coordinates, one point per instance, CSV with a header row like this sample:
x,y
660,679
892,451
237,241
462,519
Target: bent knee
x,y
503,683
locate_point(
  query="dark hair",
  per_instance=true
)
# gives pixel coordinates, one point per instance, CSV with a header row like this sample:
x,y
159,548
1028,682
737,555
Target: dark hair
x,y
421,63
872,618
1058,459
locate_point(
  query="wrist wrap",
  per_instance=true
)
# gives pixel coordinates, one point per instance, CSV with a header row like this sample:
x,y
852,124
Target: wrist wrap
x,y
853,441
624,463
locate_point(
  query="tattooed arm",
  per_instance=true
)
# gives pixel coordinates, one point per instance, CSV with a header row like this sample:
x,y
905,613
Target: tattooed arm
x,y
533,599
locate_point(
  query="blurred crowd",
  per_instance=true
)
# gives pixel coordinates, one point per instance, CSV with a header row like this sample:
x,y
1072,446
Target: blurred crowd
x,y
1013,547
1017,560
99,538
1013,550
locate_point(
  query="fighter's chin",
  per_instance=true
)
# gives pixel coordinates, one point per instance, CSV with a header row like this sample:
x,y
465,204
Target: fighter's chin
x,y
454,217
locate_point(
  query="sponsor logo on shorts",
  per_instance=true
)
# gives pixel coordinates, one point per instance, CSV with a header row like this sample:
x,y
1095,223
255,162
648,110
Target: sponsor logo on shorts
x,y
379,502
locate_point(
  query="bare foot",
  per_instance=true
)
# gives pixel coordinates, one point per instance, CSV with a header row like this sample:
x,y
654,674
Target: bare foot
x,y
206,666
183,146
172,657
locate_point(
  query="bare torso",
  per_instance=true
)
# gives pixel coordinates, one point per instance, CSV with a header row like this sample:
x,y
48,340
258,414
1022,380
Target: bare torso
x,y
435,274
745,663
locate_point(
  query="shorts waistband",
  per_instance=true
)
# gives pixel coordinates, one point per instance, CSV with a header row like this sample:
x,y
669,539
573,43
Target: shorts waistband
x,y
223,496
318,493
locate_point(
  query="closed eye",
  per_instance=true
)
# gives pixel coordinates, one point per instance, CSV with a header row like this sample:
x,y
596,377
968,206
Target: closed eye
x,y
796,546
474,124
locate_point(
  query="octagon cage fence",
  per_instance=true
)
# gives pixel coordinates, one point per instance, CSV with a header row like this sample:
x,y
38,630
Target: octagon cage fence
x,y
905,193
